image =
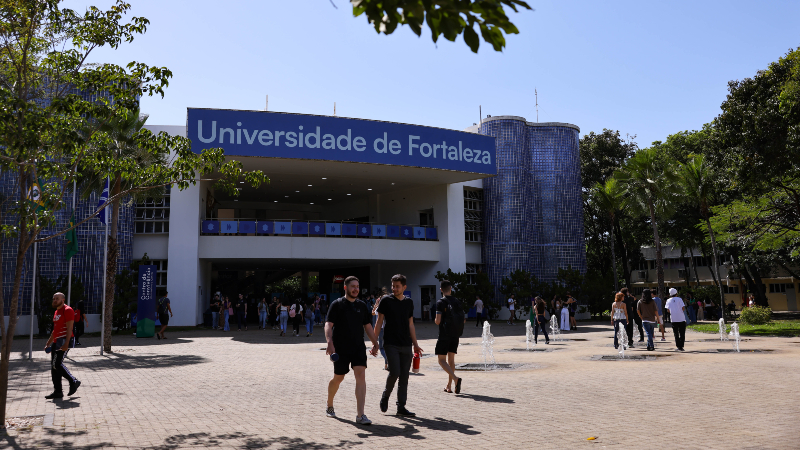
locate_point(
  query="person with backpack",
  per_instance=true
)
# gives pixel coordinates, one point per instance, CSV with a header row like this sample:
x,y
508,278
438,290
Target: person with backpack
x,y
162,309
295,315
451,319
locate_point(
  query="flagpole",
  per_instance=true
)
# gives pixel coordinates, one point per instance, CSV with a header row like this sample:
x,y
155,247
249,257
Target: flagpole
x,y
103,302
33,297
69,278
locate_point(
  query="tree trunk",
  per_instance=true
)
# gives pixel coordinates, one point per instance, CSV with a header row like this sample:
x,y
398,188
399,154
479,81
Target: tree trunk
x,y
626,273
694,267
686,269
659,256
716,265
761,296
614,257
111,268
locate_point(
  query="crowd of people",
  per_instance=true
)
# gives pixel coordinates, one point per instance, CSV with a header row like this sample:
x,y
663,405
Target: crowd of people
x,y
648,315
277,314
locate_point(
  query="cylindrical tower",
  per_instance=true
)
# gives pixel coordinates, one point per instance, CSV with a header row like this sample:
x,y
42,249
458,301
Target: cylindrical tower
x,y
533,210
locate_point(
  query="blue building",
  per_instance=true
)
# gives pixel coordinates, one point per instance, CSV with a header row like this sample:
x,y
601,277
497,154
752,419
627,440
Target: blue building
x,y
533,213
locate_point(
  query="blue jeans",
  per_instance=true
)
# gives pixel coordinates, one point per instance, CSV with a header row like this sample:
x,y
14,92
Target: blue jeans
x,y
648,329
214,319
616,331
262,319
380,344
284,320
309,325
227,325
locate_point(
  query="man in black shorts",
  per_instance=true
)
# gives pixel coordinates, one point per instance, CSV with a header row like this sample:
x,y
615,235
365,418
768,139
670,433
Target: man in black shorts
x,y
449,309
347,320
399,336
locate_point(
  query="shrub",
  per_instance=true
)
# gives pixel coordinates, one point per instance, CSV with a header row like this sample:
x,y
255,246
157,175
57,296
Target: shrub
x,y
757,315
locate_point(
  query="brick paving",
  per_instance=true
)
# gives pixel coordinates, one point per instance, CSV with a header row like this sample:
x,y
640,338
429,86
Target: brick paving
x,y
253,389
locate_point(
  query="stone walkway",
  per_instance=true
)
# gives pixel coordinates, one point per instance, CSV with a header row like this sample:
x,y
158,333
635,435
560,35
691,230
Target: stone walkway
x,y
241,390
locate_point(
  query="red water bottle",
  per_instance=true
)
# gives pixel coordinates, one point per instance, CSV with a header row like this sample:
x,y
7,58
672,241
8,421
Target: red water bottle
x,y
415,363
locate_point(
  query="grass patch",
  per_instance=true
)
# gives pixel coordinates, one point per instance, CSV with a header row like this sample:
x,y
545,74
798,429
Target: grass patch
x,y
775,328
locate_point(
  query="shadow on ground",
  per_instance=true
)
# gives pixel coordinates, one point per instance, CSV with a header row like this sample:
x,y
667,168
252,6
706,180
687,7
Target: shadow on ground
x,y
53,438
114,361
411,429
245,441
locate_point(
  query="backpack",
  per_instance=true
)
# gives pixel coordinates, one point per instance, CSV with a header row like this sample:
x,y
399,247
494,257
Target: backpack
x,y
453,318
161,309
292,311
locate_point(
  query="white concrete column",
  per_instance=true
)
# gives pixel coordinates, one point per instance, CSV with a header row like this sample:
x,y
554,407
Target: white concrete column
x,y
456,256
183,279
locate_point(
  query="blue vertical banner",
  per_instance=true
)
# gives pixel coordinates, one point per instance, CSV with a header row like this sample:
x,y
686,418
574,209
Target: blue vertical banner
x,y
103,199
146,302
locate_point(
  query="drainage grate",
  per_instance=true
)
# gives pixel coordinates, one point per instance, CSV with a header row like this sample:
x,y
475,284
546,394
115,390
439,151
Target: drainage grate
x,y
627,357
479,367
730,350
532,349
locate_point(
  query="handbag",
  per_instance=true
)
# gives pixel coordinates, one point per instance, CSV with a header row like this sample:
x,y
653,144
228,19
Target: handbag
x,y
230,311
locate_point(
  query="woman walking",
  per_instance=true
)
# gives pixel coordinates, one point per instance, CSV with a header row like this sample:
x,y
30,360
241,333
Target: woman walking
x,y
648,312
565,317
262,314
296,315
226,312
540,320
284,316
309,319
619,315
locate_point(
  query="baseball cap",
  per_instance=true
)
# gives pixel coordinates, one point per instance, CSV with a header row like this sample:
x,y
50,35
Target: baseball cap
x,y
673,291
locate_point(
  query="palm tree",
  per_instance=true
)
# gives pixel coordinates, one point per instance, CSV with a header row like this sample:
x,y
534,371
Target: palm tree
x,y
648,185
608,197
119,140
697,180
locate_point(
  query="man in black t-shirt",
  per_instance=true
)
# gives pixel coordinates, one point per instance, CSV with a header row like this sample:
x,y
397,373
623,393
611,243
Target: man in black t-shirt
x,y
399,335
630,304
241,312
345,324
446,345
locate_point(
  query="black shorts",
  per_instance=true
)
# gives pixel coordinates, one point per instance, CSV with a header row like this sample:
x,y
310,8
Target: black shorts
x,y
445,346
342,366
164,319
572,313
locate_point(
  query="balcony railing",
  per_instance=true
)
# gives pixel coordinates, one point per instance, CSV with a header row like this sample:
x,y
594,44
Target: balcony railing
x,y
366,230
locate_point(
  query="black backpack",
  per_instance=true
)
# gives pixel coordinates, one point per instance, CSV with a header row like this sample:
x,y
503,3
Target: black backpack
x,y
161,309
453,318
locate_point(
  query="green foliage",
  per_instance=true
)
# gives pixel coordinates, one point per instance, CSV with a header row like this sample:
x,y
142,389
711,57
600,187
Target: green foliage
x,y
466,291
44,303
703,293
790,328
448,18
755,315
291,287
125,297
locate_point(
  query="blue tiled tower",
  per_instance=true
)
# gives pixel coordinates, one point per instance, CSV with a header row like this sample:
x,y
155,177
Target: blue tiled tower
x,y
533,209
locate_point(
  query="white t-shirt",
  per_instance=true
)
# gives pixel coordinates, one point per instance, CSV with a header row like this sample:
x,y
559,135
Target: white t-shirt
x,y
479,306
675,306
511,304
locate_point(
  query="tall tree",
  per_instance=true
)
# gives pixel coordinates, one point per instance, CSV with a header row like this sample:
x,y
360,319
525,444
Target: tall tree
x,y
608,197
699,184
649,186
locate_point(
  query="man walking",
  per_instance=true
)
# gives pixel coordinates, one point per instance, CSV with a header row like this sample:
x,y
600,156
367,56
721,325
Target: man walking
x,y
451,319
397,311
60,342
478,311
512,303
659,305
677,311
163,308
241,312
214,312
348,319
630,304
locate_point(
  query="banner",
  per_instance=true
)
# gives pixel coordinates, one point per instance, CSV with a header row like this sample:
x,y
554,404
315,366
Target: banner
x,y
146,302
103,199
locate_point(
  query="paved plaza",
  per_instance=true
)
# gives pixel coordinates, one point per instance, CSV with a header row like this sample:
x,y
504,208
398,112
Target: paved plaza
x,y
253,389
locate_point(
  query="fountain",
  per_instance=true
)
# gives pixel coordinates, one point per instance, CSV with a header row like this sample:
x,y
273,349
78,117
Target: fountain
x,y
638,334
622,337
487,341
555,331
529,335
723,331
735,335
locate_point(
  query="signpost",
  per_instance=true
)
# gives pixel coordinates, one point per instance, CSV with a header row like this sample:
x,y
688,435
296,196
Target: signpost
x,y
146,302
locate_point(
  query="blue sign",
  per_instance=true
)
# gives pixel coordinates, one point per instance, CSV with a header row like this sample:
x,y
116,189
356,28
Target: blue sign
x,y
379,230
264,227
333,229
406,232
316,229
210,226
393,231
283,228
419,232
146,302
300,228
228,226
364,229
301,136
247,227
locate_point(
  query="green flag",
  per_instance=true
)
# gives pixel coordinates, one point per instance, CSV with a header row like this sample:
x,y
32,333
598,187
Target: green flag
x,y
35,195
72,239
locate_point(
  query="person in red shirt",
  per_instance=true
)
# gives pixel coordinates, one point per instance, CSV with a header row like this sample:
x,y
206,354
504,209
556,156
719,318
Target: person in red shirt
x,y
60,342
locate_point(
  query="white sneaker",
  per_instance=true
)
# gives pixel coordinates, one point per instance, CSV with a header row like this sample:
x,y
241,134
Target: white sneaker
x,y
329,412
363,420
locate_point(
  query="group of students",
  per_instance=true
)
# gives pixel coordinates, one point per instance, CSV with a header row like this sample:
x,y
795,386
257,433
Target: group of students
x,y
349,318
277,314
647,313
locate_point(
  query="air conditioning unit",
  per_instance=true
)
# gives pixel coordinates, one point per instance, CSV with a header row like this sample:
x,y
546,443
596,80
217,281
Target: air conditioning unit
x,y
642,274
682,273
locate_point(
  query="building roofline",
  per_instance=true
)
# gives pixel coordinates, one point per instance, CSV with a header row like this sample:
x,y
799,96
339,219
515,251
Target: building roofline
x,y
532,124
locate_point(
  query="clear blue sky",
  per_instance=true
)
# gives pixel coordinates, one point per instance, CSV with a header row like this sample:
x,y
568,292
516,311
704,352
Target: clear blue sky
x,y
644,68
